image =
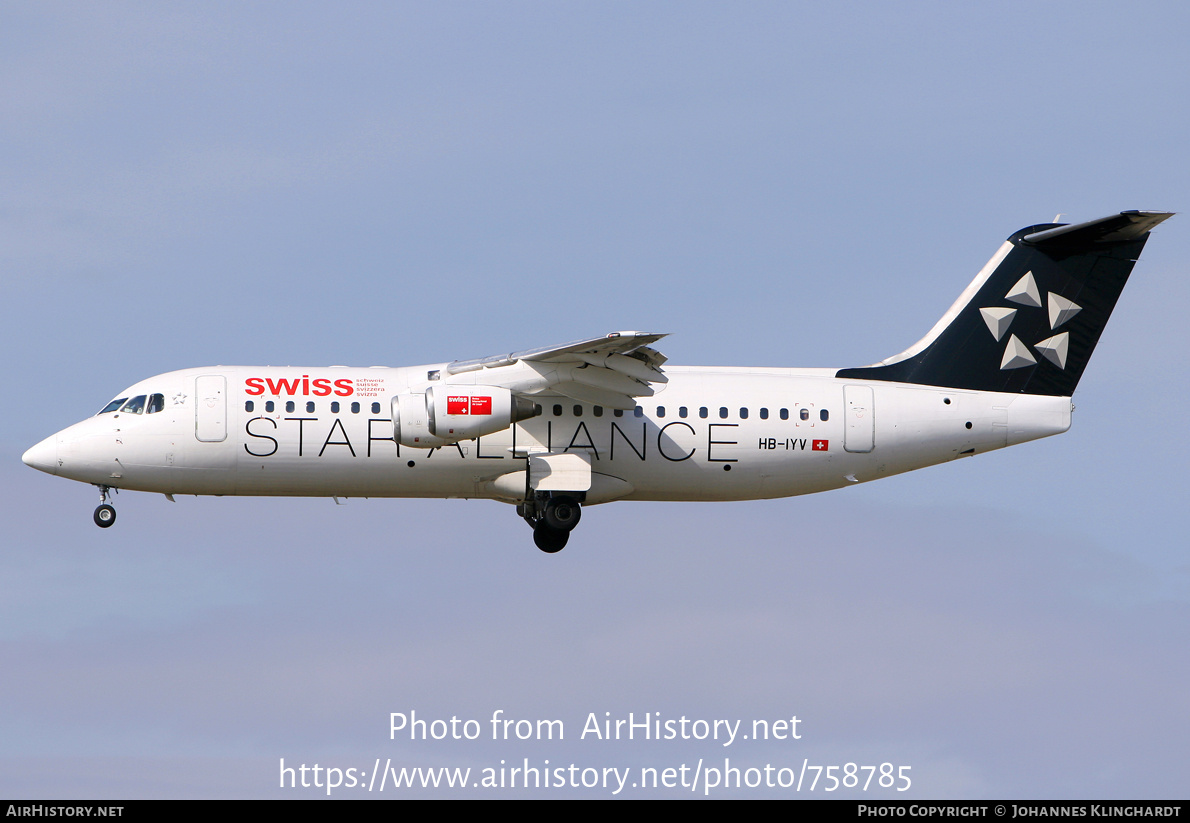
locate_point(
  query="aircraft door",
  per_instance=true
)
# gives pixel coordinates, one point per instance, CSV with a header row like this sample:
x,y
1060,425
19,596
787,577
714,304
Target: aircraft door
x,y
859,434
210,408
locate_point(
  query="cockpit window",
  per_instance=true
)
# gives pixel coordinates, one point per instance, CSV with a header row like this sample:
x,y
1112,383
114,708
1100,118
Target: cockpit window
x,y
135,406
156,403
112,406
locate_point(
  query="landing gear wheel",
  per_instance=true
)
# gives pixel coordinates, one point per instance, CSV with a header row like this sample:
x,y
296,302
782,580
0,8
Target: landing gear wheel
x,y
105,515
549,540
562,513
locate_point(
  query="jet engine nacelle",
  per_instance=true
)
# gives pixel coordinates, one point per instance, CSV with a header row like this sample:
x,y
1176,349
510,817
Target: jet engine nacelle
x,y
447,414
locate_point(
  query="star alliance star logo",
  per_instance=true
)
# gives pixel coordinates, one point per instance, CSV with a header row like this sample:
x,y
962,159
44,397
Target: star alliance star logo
x,y
999,320
179,399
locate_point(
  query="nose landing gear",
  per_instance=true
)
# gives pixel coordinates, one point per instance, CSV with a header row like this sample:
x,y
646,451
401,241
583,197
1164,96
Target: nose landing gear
x,y
105,514
552,519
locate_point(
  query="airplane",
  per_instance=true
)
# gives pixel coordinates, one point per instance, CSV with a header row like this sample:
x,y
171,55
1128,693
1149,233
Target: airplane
x,y
553,430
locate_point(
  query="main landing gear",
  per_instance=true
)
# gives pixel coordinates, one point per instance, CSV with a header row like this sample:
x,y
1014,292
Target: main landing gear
x,y
552,518
105,515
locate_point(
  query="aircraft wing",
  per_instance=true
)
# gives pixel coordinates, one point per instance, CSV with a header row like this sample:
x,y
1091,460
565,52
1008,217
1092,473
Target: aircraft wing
x,y
611,371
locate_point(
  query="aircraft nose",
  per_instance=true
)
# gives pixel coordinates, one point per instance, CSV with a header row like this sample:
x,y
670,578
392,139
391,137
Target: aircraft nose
x,y
43,456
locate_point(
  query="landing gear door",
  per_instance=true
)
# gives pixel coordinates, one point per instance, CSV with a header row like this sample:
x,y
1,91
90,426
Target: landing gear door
x,y
859,434
567,472
210,408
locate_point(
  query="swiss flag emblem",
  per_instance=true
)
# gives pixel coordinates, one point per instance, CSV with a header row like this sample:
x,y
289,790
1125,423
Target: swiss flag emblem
x,y
821,446
457,404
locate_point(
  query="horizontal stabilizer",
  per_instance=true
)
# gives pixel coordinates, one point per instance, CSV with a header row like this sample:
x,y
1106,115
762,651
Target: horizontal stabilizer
x,y
1117,228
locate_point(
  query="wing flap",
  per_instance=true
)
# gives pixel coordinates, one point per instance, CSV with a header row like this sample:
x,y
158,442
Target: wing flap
x,y
636,365
617,342
605,371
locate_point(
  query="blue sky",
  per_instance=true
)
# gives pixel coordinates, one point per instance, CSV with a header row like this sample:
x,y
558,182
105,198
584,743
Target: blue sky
x,y
775,185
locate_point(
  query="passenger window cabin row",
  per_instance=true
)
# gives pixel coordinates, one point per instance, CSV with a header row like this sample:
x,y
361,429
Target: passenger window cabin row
x,y
270,406
703,412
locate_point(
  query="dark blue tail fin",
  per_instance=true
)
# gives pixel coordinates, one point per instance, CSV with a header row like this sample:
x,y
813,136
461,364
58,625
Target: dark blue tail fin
x,y
1031,318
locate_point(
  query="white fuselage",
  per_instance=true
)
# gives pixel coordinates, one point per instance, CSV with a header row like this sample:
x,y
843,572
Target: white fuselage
x,y
709,434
